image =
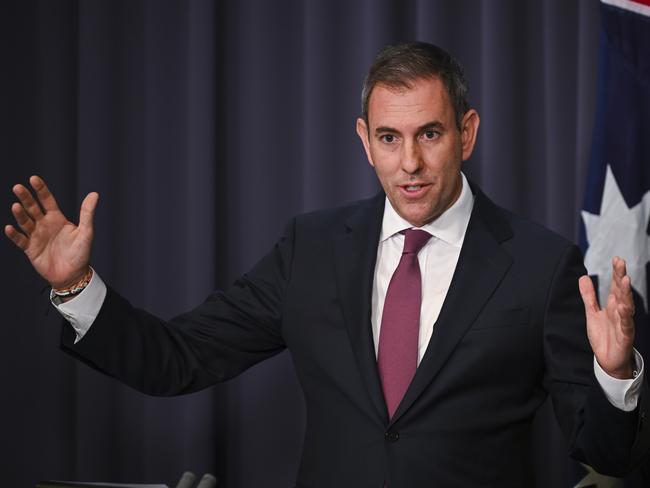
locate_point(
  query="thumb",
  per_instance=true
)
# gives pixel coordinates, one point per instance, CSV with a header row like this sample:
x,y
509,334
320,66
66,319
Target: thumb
x,y
588,294
87,212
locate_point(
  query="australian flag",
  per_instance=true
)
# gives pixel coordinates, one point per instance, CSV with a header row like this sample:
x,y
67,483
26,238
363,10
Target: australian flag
x,y
616,210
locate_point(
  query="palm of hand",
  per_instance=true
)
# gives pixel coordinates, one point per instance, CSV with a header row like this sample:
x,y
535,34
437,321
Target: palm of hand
x,y
609,338
58,249
611,329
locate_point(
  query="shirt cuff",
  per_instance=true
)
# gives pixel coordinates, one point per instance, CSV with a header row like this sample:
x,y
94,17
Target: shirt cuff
x,y
82,310
623,394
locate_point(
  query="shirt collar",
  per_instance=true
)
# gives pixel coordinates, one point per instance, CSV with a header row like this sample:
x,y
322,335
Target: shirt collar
x,y
449,227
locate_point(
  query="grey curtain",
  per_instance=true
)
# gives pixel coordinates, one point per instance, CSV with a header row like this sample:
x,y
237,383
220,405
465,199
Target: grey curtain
x,y
205,125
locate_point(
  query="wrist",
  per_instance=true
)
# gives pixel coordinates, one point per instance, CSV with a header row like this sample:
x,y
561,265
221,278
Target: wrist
x,y
626,372
66,292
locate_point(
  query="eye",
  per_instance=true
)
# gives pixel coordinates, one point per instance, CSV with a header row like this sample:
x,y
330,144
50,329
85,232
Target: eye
x,y
388,138
430,134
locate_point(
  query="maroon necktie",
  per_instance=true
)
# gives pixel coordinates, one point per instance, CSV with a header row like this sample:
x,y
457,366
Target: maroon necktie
x,y
397,355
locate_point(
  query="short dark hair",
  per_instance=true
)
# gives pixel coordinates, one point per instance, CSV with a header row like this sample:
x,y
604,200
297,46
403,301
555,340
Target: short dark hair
x,y
402,64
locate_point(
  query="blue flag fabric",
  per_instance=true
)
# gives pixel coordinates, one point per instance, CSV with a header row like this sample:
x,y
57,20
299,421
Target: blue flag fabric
x,y
616,207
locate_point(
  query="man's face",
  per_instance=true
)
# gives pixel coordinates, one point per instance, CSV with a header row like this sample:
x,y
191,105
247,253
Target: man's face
x,y
416,148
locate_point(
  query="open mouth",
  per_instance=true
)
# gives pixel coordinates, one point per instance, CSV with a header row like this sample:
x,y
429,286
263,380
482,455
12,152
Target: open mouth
x,y
414,190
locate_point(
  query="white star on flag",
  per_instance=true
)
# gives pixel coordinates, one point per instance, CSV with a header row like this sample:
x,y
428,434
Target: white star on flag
x,y
618,231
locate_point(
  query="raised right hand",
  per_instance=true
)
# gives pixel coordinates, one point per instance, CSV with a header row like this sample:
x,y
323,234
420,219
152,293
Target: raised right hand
x,y
58,249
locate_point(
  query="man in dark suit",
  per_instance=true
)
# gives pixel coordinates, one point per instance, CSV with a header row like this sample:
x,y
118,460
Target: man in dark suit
x,y
427,325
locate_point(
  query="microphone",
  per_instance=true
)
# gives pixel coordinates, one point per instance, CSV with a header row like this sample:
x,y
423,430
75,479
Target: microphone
x,y
208,481
187,480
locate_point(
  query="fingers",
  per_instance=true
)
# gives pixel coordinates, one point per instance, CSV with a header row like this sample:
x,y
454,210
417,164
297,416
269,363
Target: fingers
x,y
625,299
27,201
618,266
87,212
43,193
24,221
16,237
588,294
621,298
619,271
621,288
43,197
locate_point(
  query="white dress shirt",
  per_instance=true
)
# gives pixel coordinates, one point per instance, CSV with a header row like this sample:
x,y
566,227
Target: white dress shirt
x,y
437,260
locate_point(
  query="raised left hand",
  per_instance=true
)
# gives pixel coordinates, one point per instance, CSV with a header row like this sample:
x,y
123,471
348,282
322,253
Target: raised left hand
x,y
611,329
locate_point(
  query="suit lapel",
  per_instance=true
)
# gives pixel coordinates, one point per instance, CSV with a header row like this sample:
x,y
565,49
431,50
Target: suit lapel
x,y
481,266
355,256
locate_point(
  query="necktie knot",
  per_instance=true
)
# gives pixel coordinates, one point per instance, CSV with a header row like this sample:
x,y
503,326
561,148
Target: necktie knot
x,y
414,240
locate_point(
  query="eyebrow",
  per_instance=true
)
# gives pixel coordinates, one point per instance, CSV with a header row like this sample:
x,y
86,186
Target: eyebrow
x,y
429,125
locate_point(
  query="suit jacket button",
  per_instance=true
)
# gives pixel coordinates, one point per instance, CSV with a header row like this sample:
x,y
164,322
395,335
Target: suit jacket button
x,y
391,436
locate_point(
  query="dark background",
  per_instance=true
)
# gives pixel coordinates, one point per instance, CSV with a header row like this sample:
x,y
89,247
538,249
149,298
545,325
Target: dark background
x,y
204,126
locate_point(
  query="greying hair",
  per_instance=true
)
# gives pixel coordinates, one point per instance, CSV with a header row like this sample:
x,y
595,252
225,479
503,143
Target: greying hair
x,y
403,64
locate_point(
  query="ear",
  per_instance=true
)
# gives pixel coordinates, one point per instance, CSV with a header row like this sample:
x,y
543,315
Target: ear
x,y
468,132
362,132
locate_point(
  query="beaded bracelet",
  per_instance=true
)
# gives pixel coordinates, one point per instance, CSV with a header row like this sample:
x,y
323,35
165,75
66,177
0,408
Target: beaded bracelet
x,y
77,288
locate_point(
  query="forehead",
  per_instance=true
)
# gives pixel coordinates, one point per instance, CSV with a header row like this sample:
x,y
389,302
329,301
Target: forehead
x,y
424,101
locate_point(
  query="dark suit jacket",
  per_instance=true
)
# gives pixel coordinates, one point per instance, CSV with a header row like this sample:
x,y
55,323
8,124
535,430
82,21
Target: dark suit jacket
x,y
510,332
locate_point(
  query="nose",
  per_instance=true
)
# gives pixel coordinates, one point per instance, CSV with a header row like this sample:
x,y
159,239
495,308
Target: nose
x,y
411,157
